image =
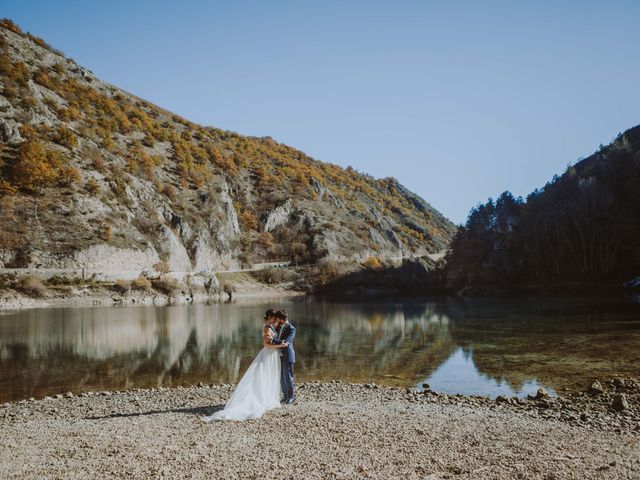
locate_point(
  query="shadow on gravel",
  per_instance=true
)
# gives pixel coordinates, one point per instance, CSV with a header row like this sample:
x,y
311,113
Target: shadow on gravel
x,y
200,411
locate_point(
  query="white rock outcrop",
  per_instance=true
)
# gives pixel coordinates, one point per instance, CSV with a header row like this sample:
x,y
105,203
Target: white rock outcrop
x,y
276,217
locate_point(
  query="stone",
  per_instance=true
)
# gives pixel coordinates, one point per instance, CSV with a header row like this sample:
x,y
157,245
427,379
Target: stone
x,y
541,393
543,403
620,403
10,132
595,388
502,399
617,382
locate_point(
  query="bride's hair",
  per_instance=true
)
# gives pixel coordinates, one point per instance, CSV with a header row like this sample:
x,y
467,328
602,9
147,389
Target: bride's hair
x,y
269,314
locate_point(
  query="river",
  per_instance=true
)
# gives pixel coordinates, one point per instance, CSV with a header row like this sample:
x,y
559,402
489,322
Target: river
x,y
482,346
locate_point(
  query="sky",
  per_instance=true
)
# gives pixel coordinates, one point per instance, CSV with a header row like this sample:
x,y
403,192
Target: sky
x,y
458,100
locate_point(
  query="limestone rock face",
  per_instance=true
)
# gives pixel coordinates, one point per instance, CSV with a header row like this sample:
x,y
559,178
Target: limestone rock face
x,y
324,193
174,250
95,257
105,257
276,217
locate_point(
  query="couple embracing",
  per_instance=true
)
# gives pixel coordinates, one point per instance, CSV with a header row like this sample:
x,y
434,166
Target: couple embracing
x,y
270,372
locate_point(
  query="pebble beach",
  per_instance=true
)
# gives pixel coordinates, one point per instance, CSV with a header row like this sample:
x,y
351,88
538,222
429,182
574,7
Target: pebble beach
x,y
335,430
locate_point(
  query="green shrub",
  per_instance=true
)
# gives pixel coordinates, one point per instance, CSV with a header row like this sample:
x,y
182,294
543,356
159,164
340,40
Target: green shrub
x,y
57,280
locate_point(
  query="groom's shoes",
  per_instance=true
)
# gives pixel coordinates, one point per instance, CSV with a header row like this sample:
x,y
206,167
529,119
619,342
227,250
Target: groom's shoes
x,y
290,401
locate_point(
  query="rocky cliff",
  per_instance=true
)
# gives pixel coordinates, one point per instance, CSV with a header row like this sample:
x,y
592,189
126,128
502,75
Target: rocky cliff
x,y
94,177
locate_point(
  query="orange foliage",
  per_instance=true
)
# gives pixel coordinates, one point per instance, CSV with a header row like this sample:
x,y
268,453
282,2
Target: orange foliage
x,y
35,166
8,24
65,137
265,239
372,263
248,219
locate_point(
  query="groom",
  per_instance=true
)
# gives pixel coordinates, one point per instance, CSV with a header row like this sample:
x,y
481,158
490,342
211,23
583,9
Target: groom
x,y
285,334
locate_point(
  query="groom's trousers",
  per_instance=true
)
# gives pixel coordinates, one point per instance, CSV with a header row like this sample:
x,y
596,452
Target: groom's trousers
x,y
286,378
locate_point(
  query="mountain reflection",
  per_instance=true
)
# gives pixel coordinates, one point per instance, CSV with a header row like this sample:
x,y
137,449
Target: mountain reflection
x,y
477,347
459,374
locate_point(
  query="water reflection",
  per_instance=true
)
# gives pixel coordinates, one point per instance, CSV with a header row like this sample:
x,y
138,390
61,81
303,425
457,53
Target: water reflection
x,y
459,374
474,347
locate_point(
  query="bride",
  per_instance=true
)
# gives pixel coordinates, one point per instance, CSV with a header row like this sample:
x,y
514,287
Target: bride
x,y
259,388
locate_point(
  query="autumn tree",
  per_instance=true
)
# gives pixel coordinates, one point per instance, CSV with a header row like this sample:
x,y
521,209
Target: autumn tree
x,y
34,167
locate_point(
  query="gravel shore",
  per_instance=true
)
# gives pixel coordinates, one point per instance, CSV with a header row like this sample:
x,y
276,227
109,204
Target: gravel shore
x,y
335,430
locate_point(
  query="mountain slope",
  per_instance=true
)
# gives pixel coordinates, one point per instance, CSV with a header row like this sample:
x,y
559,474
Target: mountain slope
x,y
92,176
583,227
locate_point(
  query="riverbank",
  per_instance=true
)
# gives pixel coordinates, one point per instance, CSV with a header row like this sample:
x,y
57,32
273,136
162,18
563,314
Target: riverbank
x,y
335,430
234,286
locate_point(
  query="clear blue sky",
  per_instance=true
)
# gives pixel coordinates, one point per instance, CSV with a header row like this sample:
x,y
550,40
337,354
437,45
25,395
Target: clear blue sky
x,y
458,100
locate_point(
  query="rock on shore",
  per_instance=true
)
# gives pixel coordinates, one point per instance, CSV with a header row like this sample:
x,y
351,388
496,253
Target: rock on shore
x,y
335,430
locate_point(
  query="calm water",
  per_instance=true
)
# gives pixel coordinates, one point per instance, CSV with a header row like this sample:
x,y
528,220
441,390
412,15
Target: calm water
x,y
480,346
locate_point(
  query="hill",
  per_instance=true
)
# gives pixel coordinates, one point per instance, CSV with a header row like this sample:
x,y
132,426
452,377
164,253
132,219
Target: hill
x,y
582,228
94,177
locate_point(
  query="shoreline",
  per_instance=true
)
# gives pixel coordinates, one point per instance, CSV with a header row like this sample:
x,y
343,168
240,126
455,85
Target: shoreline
x,y
335,430
242,285
102,296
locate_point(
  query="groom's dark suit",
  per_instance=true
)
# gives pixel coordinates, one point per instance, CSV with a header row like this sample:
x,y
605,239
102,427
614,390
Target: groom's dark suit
x,y
286,333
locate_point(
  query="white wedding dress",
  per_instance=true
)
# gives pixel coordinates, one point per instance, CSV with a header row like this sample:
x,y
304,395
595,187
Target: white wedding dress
x,y
258,390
